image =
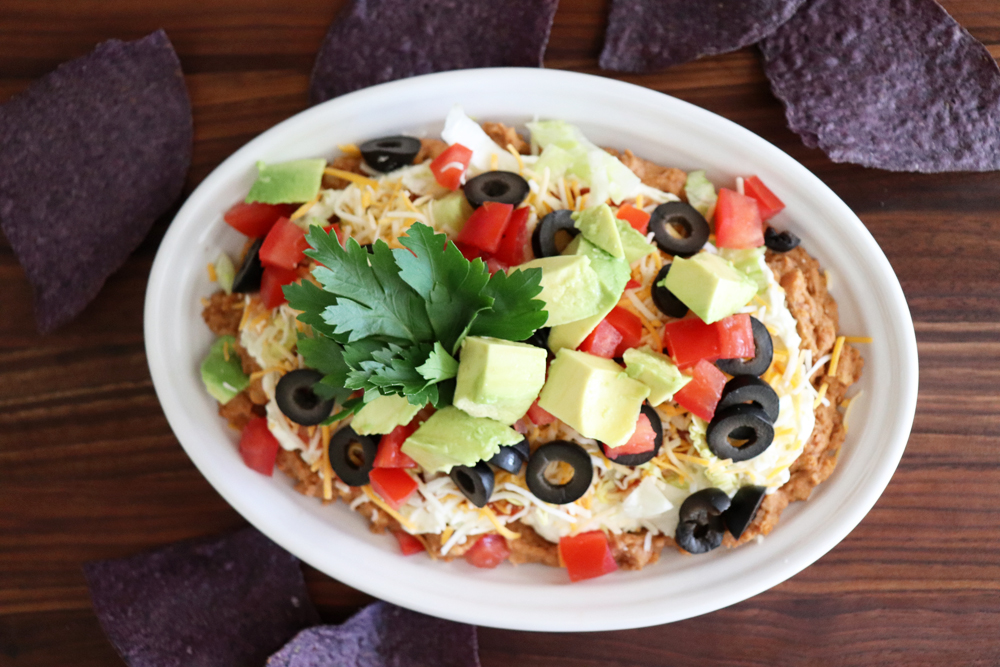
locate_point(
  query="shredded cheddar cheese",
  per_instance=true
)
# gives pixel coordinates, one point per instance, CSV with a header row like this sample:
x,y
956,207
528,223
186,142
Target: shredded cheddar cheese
x,y
385,508
357,179
502,529
838,347
821,395
302,210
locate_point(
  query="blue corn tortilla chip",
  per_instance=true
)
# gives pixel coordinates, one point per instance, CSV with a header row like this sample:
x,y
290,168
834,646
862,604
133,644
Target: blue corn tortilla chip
x,y
649,35
374,41
892,84
227,601
383,635
90,155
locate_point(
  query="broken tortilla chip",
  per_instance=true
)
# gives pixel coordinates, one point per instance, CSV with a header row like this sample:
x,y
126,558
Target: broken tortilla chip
x,y
374,41
220,602
90,155
649,35
383,635
893,85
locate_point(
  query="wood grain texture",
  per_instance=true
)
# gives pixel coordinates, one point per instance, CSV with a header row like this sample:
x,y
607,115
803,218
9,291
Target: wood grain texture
x,y
89,468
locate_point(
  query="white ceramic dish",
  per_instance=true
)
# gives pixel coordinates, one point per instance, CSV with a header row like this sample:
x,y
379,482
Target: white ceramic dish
x,y
533,597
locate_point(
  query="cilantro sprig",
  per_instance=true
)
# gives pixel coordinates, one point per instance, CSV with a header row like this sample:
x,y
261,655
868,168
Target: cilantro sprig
x,y
391,321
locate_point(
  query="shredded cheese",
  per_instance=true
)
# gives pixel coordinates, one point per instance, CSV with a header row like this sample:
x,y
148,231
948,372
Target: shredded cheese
x,y
857,339
302,210
821,395
357,179
385,508
838,347
502,529
211,273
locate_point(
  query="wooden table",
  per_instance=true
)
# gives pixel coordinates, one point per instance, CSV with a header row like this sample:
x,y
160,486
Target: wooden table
x,y
89,468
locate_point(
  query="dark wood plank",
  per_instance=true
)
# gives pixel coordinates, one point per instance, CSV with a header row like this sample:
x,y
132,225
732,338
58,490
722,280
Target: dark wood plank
x,y
89,468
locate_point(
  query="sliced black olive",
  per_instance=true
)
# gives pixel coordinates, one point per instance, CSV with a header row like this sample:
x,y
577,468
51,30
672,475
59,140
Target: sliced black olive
x,y
780,241
390,153
749,389
763,353
352,456
296,399
701,527
543,240
504,187
665,301
540,338
512,457
553,454
693,225
642,457
247,278
739,422
475,483
743,509
369,248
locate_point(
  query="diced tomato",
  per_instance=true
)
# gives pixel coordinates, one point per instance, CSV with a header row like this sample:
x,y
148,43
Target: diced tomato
x,y
486,225
493,265
643,440
449,167
395,485
336,228
258,447
767,202
256,219
538,416
283,245
271,282
602,341
513,248
628,325
632,284
408,544
702,393
636,217
470,253
737,221
389,453
488,552
735,337
587,555
690,340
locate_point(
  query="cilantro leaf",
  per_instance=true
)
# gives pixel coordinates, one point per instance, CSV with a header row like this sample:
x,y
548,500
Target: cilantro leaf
x,y
371,298
451,286
515,313
347,408
439,365
312,300
326,356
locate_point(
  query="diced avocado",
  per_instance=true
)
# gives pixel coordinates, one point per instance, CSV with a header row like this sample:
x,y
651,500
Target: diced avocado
x,y
450,438
656,371
598,225
572,334
557,159
709,285
384,414
634,244
594,396
451,211
222,371
700,193
750,261
292,182
498,379
225,272
570,287
613,273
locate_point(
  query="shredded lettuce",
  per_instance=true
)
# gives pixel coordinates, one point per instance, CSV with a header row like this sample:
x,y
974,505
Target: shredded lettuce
x,y
701,193
606,176
751,262
460,129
